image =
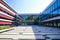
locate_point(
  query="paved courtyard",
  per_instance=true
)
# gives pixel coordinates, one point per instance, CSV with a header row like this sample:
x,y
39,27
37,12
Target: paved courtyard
x,y
32,33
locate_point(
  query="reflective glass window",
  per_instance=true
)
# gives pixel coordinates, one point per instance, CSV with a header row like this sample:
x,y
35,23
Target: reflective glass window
x,y
59,11
55,12
58,2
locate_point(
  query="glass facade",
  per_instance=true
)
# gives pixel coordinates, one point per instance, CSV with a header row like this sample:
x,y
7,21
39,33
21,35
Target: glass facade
x,y
51,12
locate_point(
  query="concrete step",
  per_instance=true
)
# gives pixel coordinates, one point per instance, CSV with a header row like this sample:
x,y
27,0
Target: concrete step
x,y
6,39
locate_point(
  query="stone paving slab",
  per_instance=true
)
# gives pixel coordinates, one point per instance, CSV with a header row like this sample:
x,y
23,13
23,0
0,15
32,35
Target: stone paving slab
x,y
22,36
20,30
6,39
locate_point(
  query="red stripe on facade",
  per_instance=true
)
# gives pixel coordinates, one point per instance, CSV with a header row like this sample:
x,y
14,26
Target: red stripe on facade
x,y
7,17
6,23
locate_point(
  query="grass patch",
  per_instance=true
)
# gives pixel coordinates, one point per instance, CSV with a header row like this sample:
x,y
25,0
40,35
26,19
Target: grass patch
x,y
4,27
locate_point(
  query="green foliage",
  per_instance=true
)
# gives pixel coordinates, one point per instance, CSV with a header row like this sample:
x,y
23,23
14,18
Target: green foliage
x,y
4,27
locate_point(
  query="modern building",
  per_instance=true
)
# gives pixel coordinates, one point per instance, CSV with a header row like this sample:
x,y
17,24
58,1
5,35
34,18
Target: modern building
x,y
51,15
31,19
8,16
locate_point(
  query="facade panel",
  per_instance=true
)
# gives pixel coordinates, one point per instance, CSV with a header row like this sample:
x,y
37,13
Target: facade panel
x,y
51,15
8,16
5,23
1,19
6,8
8,12
1,12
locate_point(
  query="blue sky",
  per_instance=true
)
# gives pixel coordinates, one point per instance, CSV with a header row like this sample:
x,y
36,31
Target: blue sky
x,y
28,6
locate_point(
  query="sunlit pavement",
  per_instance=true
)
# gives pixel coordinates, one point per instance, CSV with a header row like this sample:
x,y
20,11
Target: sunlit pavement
x,y
31,32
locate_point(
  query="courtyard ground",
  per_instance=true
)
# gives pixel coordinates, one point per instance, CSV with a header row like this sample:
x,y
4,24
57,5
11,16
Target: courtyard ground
x,y
32,33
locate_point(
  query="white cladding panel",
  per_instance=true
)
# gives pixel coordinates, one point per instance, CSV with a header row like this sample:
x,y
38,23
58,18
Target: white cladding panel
x,y
5,20
55,18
